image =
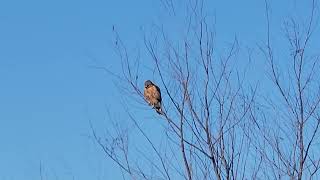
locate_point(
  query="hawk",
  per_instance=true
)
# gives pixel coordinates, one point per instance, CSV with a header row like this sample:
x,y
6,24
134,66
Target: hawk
x,y
152,95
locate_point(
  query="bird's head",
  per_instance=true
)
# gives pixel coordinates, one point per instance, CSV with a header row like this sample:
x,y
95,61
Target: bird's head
x,y
147,83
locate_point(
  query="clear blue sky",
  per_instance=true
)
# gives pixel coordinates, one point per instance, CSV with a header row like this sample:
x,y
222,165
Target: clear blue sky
x,y
48,91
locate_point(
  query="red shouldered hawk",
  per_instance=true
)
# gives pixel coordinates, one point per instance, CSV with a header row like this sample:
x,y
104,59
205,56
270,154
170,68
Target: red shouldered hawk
x,y
152,95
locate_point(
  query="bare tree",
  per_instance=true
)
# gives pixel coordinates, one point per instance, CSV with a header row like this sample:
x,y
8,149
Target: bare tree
x,y
291,143
215,126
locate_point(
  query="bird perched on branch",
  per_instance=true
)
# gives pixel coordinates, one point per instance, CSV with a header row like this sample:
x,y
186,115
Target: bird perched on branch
x,y
152,95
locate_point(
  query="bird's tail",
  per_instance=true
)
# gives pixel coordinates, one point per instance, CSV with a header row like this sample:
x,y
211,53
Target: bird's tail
x,y
158,109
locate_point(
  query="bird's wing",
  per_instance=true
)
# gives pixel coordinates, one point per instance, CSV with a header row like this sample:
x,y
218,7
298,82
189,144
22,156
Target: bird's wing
x,y
158,93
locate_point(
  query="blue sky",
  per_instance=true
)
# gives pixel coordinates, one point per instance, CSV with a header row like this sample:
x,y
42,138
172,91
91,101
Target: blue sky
x,y
48,91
